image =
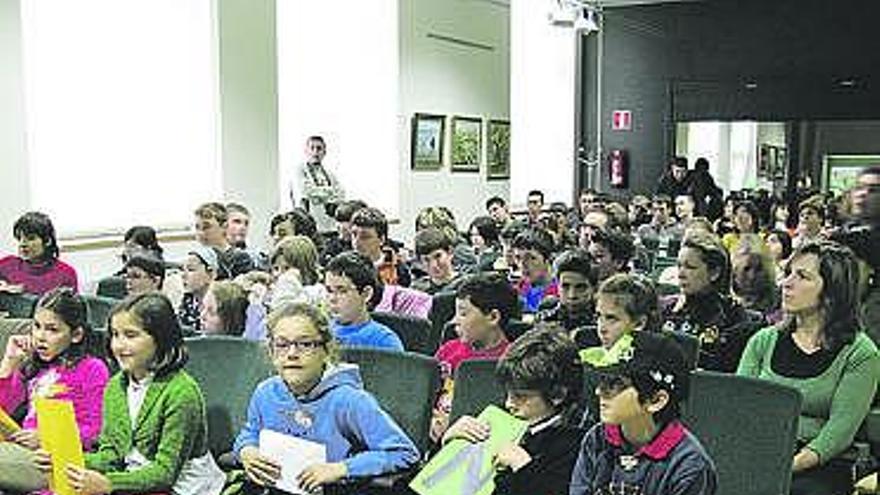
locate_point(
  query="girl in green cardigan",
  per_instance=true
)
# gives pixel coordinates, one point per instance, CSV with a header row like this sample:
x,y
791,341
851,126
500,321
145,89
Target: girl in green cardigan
x,y
154,436
820,351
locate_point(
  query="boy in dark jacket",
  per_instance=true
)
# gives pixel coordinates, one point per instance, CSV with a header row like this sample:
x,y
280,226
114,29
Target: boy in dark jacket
x,y
641,446
543,377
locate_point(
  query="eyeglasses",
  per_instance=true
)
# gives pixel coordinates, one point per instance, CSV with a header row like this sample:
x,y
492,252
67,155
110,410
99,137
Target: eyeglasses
x,y
300,346
610,386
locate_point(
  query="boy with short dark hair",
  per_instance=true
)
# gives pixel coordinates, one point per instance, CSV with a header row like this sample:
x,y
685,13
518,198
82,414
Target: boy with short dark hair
x,y
543,378
577,277
484,304
369,233
435,250
210,224
350,279
641,446
533,250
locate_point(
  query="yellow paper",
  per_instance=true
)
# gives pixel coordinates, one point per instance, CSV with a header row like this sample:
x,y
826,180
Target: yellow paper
x,y
59,435
8,426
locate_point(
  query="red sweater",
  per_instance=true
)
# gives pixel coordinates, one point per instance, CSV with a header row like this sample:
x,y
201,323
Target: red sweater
x,y
37,278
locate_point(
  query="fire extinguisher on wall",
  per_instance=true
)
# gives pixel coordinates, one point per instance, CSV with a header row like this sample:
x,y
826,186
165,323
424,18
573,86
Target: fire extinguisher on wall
x,y
617,168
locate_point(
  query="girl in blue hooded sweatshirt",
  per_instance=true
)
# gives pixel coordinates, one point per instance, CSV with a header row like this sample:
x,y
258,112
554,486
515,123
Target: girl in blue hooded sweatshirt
x,y
316,398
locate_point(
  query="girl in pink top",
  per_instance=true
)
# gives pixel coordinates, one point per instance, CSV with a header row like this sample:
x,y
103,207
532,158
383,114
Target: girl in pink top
x,y
37,269
52,362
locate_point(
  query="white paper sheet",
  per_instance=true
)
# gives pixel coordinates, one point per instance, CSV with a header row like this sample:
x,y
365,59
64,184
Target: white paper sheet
x,y
294,454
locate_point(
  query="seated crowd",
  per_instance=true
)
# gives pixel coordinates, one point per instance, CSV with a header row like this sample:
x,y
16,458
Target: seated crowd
x,y
783,290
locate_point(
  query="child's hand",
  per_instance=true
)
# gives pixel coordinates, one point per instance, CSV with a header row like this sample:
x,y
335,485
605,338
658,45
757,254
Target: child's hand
x,y
260,469
26,438
18,349
512,456
87,482
312,477
467,428
43,461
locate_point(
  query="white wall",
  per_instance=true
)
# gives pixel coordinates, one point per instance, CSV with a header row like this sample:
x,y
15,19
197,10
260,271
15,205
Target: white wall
x,y
447,78
542,105
14,179
338,77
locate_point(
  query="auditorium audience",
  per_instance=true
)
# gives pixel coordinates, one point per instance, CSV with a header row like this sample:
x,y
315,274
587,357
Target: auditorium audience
x,y
594,305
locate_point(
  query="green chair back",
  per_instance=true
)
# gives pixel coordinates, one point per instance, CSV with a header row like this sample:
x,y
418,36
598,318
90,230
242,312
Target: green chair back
x,y
404,383
476,387
442,311
414,332
10,327
112,287
748,427
18,305
99,308
228,370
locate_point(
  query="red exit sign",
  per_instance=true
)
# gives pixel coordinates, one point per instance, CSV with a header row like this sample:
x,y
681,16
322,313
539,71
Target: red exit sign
x,y
621,120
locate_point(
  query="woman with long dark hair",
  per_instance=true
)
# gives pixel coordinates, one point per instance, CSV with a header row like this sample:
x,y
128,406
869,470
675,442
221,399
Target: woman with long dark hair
x,y
820,350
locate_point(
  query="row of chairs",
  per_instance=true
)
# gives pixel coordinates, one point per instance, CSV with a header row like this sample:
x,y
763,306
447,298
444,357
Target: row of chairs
x,y
23,306
748,426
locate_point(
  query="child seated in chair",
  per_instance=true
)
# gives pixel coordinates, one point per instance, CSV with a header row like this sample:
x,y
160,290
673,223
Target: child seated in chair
x,y
484,304
543,377
641,446
624,304
351,282
315,398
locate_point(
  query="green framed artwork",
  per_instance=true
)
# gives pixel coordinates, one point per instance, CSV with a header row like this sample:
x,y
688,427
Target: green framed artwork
x,y
841,171
428,133
498,150
467,144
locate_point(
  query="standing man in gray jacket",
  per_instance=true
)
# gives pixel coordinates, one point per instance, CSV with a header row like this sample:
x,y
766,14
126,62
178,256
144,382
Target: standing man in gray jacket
x,y
315,188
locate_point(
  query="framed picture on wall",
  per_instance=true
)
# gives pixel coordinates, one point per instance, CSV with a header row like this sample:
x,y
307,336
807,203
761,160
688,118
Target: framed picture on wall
x,y
428,131
781,163
467,144
498,150
765,160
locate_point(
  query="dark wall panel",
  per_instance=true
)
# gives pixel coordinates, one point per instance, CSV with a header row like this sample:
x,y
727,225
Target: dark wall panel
x,y
734,59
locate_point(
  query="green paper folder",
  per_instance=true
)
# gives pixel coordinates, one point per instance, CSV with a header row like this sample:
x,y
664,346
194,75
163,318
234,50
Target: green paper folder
x,y
466,468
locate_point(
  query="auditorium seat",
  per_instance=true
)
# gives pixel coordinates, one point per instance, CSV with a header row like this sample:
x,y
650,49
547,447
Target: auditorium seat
x,y
476,387
415,333
18,305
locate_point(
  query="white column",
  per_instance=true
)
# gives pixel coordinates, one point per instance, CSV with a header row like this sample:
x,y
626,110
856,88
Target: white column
x,y
542,104
14,178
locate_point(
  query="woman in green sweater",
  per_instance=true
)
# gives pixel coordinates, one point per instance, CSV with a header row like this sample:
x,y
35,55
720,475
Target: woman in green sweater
x,y
154,435
820,350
